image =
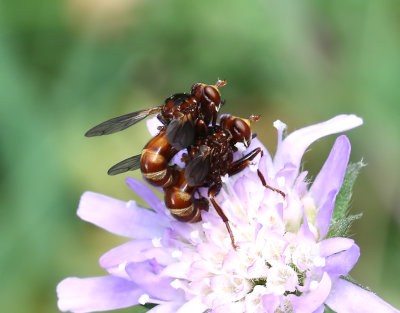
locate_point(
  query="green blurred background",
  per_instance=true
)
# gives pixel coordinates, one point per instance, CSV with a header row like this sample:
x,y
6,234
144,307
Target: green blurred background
x,y
68,65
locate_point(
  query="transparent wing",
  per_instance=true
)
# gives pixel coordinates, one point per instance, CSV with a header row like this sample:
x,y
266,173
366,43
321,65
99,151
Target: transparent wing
x,y
197,170
180,133
119,123
130,164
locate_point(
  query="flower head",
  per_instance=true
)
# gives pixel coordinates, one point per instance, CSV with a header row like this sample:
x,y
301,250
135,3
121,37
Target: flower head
x,y
284,261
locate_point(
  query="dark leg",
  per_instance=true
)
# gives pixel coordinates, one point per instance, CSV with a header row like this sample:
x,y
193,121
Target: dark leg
x,y
242,163
214,118
261,176
212,192
201,128
201,202
245,161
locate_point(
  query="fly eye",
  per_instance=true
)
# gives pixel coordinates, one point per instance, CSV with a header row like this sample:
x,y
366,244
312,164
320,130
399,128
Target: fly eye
x,y
240,126
212,94
241,131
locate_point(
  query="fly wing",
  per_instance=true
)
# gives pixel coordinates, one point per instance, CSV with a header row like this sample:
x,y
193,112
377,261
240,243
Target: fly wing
x,y
119,123
197,170
130,164
180,133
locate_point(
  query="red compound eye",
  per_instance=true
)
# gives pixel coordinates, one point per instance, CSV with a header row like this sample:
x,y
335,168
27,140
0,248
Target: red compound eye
x,y
211,93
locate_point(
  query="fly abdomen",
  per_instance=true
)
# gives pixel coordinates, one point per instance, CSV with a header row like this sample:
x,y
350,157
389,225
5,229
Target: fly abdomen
x,y
154,161
180,200
180,204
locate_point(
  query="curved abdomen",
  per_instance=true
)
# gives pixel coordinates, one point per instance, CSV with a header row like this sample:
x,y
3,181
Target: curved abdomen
x,y
180,200
154,161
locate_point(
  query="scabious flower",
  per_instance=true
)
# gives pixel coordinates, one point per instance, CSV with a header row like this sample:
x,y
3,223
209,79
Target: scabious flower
x,y
290,257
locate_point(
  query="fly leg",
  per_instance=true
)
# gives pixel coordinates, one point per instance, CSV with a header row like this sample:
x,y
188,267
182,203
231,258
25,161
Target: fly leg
x,y
261,176
242,163
212,192
245,161
200,202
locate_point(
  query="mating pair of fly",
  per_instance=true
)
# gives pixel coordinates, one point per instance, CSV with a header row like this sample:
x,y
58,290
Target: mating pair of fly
x,y
189,121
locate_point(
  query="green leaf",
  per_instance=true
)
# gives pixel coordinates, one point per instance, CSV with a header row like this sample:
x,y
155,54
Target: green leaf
x,y
344,196
328,309
149,305
341,227
136,309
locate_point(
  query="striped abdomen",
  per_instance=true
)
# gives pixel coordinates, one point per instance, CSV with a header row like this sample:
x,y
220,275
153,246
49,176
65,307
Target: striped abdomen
x,y
154,161
180,200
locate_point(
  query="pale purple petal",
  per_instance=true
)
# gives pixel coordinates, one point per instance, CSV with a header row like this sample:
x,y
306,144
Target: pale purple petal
x,y
270,302
256,143
331,246
305,233
332,173
181,229
300,185
324,214
321,309
146,276
231,307
288,172
346,297
341,263
152,125
265,163
168,307
96,294
193,306
134,251
146,194
266,167
130,251
294,145
311,301
119,217
177,159
248,193
281,128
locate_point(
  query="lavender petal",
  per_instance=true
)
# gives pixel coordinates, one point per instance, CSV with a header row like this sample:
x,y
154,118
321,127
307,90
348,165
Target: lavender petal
x,y
264,161
346,297
248,193
193,306
294,145
266,167
256,143
332,173
270,302
146,194
334,245
324,215
341,263
147,276
134,251
305,232
321,309
96,294
311,301
118,217
168,307
177,159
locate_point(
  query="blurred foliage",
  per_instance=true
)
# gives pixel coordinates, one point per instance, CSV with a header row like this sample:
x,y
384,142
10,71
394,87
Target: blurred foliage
x,y
67,65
